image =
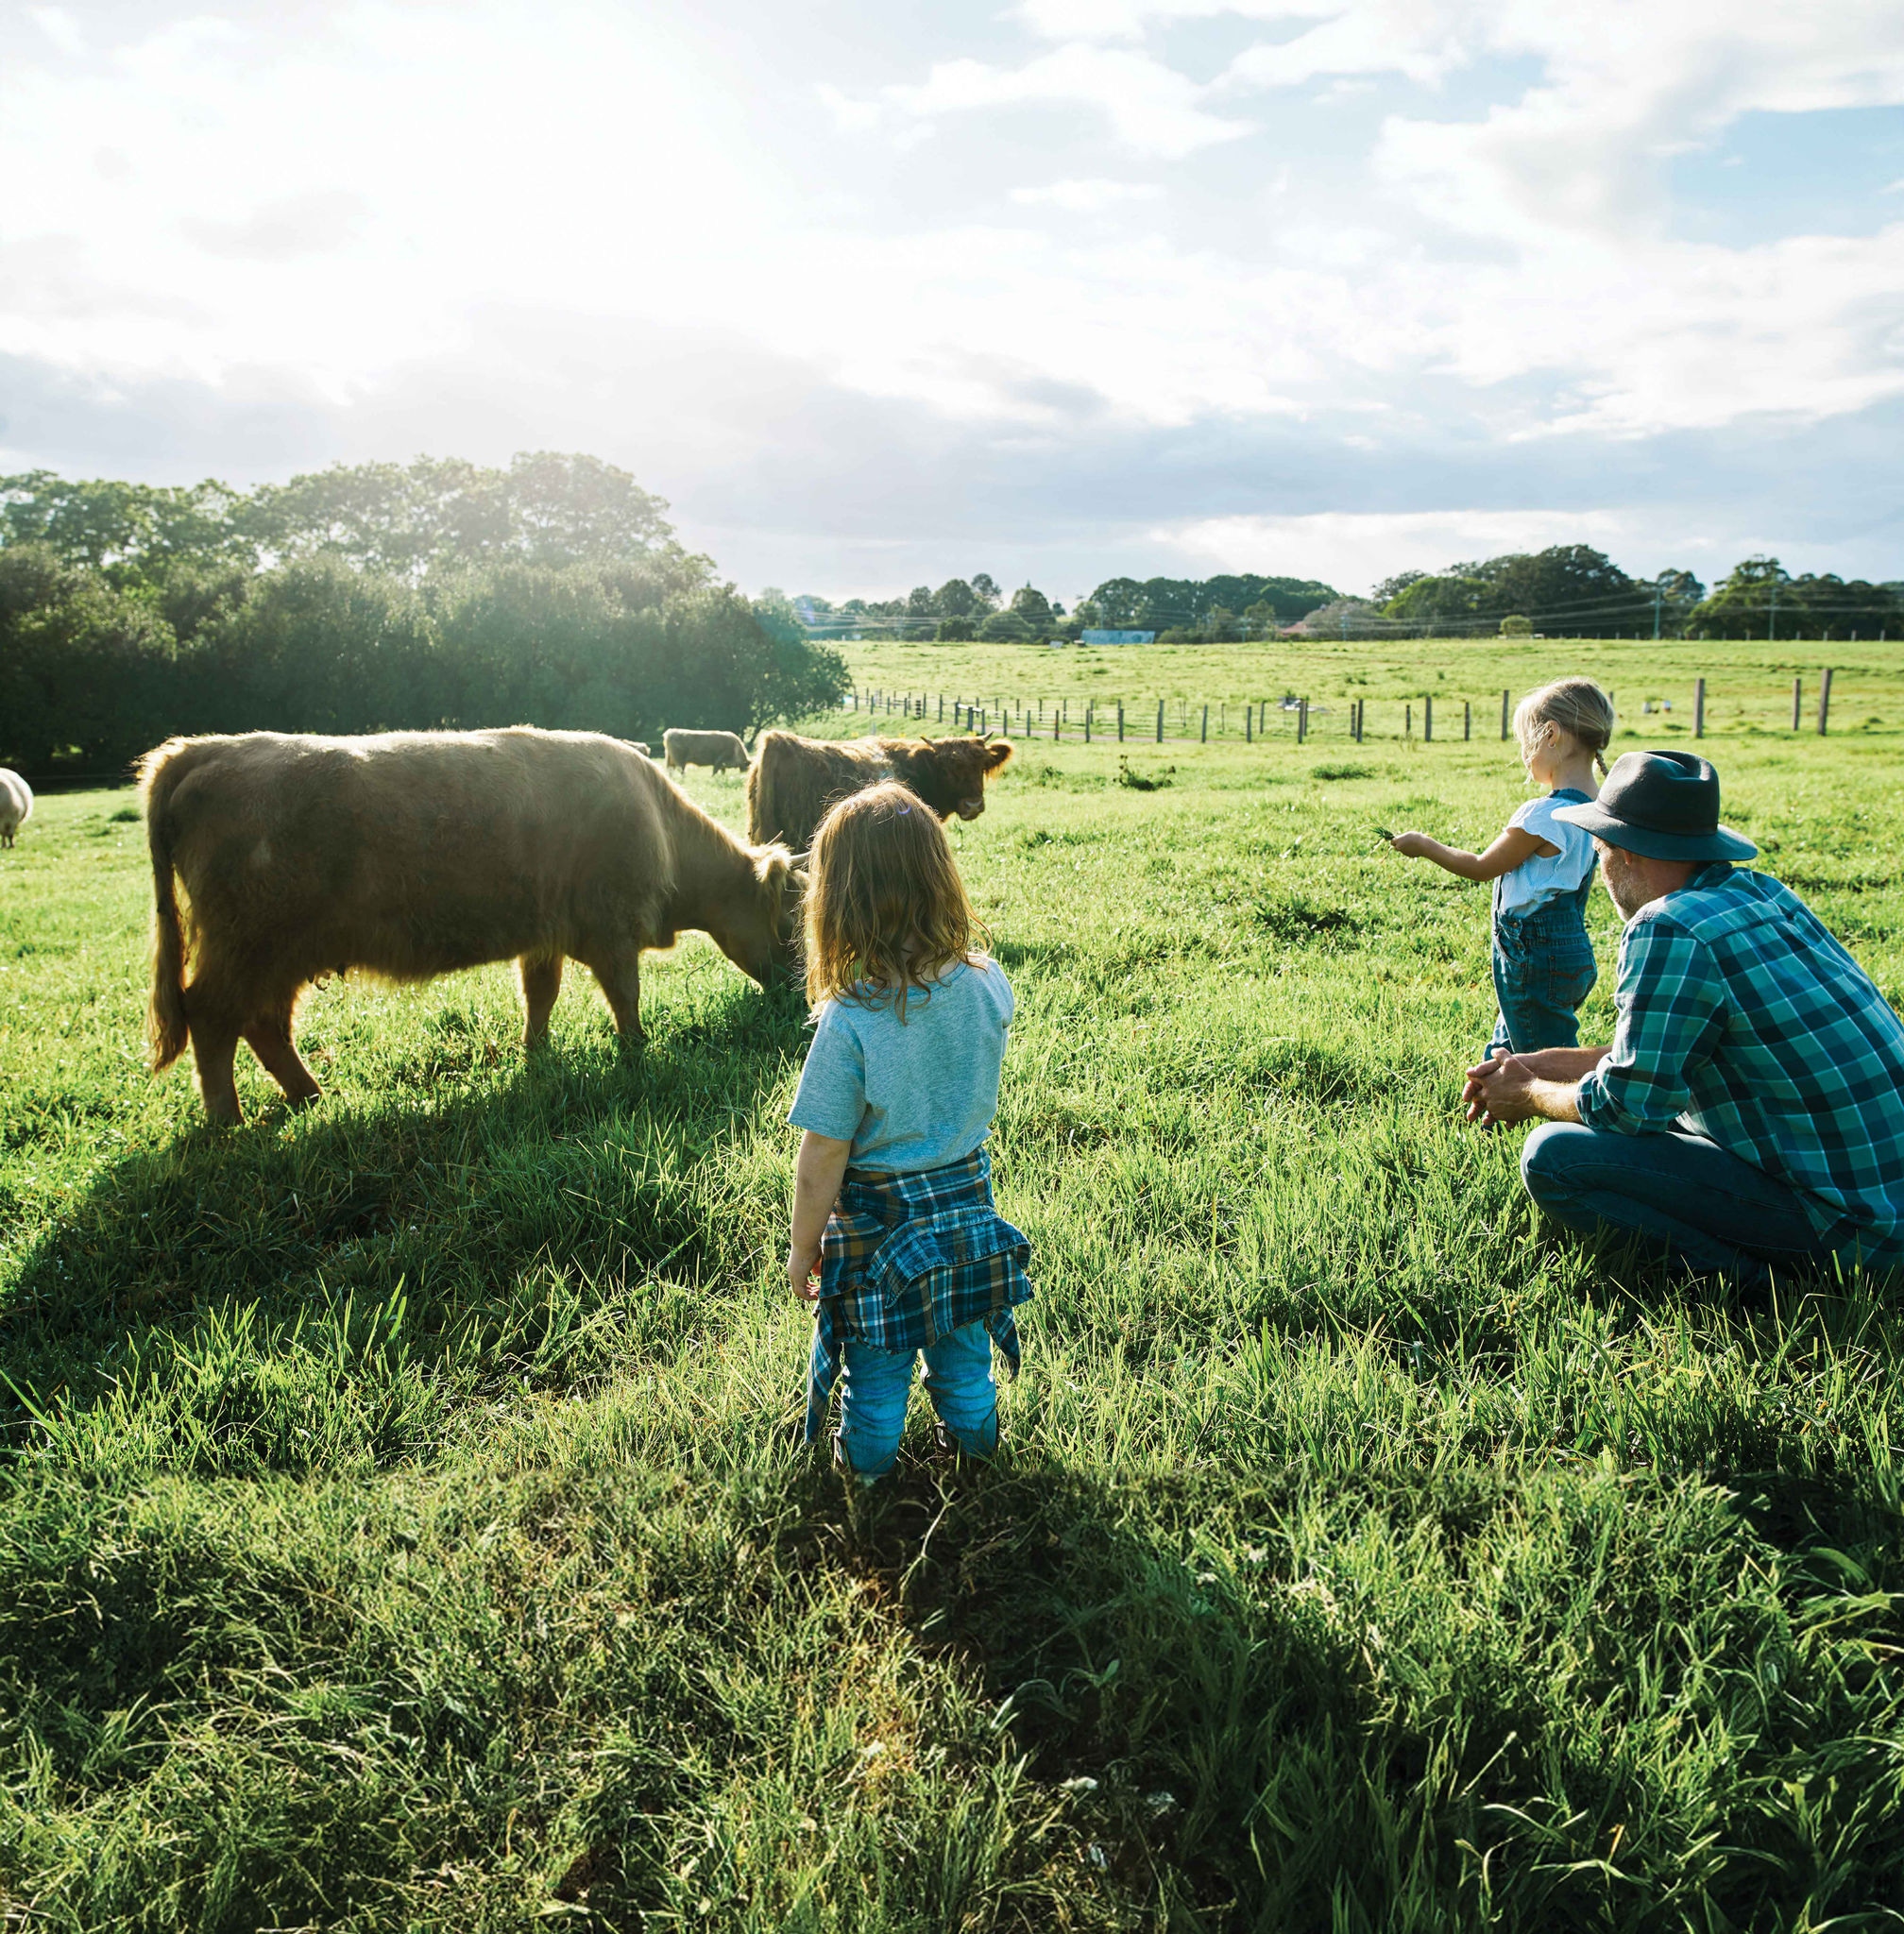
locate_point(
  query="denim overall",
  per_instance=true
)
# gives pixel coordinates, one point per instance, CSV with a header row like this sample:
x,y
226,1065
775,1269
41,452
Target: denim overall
x,y
1543,965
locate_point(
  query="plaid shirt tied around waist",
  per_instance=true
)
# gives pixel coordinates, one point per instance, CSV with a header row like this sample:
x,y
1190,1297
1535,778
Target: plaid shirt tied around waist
x,y
908,1258
1742,1019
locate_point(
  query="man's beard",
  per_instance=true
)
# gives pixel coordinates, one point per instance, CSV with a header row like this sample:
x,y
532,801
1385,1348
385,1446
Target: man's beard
x,y
1624,888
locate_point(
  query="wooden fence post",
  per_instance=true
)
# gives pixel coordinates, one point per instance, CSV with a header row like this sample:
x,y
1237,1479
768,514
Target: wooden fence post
x,y
1205,737
1160,722
1427,718
1698,708
1797,699
1504,718
1301,720
1087,724
1824,702
1408,719
1249,725
1120,722
1467,719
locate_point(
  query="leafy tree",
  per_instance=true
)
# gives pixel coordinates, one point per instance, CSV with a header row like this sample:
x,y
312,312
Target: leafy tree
x,y
955,598
1004,627
88,672
1762,600
1163,603
986,590
440,513
953,629
1034,608
1567,586
137,532
919,602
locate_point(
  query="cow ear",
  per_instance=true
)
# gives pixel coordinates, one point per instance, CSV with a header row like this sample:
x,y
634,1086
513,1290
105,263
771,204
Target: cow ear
x,y
996,755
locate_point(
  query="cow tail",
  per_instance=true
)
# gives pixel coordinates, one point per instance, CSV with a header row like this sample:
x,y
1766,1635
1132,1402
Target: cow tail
x,y
165,1027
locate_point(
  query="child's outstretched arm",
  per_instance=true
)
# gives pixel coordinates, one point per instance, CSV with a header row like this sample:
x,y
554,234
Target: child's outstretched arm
x,y
1515,848
818,1170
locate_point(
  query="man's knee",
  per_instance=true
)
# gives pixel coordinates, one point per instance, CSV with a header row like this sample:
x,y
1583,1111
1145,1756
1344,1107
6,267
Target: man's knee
x,y
1548,1155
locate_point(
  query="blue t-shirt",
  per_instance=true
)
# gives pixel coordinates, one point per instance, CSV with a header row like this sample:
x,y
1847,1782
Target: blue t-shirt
x,y
915,1094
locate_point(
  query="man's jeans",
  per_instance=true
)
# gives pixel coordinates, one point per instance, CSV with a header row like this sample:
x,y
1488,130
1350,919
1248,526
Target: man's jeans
x,y
875,1384
1685,1193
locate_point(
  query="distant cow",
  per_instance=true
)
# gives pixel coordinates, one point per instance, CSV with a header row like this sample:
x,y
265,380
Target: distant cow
x,y
792,781
16,805
721,750
413,853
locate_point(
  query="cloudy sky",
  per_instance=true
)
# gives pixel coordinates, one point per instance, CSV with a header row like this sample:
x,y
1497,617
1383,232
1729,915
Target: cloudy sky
x,y
879,293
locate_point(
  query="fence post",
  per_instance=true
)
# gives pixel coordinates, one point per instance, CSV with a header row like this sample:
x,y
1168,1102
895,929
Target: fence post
x,y
1160,722
1797,699
1427,718
1467,719
1504,718
1824,702
1301,720
1698,708
1087,725
1249,725
1120,722
1408,719
1057,723
1205,739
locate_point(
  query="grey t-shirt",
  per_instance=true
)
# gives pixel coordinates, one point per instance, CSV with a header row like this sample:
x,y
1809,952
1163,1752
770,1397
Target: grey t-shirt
x,y
911,1095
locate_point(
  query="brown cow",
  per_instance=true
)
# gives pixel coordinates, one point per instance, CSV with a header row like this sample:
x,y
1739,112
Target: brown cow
x,y
413,853
792,781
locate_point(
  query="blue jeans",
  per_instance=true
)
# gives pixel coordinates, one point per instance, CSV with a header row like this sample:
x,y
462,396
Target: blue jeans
x,y
1543,969
1684,1195
875,1384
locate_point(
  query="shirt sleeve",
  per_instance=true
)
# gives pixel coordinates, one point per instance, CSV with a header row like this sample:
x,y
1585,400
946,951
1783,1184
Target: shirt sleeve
x,y
1535,816
831,1098
1672,1002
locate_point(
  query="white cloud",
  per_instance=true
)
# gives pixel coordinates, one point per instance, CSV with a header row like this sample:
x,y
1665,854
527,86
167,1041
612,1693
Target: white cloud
x,y
1128,20
1153,109
1354,550
1088,197
60,29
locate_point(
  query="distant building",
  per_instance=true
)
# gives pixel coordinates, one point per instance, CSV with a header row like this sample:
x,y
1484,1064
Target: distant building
x,y
1117,637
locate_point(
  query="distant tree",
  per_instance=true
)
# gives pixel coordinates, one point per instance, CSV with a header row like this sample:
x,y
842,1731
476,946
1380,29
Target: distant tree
x,y
1760,599
1033,607
1160,604
985,588
1004,627
954,630
955,598
1517,626
919,602
1566,588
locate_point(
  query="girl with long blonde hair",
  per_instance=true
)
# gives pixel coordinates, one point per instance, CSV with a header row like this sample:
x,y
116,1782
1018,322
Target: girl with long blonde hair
x,y
893,1234
1542,868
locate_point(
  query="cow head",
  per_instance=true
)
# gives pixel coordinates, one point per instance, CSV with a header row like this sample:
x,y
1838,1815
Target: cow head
x,y
761,934
949,774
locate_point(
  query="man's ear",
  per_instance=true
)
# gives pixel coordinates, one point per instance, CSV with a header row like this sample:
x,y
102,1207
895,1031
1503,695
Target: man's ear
x,y
996,755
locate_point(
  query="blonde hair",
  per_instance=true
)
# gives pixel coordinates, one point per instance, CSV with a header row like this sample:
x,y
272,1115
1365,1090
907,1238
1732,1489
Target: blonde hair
x,y
1576,706
886,910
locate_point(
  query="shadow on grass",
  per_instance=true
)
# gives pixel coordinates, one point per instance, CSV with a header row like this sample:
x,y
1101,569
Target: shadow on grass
x,y
490,1230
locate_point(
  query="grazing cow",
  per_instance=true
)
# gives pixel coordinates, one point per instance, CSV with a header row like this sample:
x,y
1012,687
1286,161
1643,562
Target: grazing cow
x,y
721,750
413,853
16,805
792,781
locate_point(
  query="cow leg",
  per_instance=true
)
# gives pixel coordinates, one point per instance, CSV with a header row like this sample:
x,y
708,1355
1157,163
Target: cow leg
x,y
214,1046
620,975
269,1038
541,982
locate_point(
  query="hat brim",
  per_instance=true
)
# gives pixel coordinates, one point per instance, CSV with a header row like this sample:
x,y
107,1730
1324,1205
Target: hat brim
x,y
1721,843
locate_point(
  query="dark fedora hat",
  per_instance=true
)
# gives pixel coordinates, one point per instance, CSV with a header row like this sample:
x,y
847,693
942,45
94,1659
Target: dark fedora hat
x,y
1663,806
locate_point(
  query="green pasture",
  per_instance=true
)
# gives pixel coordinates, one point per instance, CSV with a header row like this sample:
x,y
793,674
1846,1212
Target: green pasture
x,y
401,1524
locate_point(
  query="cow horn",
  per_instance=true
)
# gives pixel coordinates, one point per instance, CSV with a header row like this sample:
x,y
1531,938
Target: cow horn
x,y
924,739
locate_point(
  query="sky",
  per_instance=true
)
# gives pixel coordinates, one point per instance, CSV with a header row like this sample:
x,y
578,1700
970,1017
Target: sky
x,y
879,295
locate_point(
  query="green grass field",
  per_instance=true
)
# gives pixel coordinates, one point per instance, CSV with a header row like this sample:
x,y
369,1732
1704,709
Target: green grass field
x,y
401,1524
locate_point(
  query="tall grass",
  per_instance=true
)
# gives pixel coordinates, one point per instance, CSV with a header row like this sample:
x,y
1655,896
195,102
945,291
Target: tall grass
x,y
402,1522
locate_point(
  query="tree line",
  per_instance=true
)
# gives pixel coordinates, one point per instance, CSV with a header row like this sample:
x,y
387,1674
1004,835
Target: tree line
x,y
370,598
1574,588
1180,610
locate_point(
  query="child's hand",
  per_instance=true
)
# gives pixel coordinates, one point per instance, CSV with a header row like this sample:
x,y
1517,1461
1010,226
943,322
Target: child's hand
x,y
803,1273
1412,845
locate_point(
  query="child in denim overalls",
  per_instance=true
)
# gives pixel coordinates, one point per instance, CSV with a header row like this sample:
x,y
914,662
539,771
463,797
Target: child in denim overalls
x,y
1542,870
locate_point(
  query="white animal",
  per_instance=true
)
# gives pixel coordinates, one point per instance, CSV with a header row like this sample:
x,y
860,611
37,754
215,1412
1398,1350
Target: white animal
x,y
16,805
717,749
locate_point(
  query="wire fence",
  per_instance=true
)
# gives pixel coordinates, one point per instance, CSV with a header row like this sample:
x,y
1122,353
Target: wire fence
x,y
1427,718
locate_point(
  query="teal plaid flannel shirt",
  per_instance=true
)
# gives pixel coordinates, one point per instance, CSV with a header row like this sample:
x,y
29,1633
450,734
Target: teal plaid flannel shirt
x,y
907,1259
1743,1020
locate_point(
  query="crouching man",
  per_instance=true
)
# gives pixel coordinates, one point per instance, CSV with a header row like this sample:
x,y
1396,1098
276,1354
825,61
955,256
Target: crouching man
x,y
1749,1116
